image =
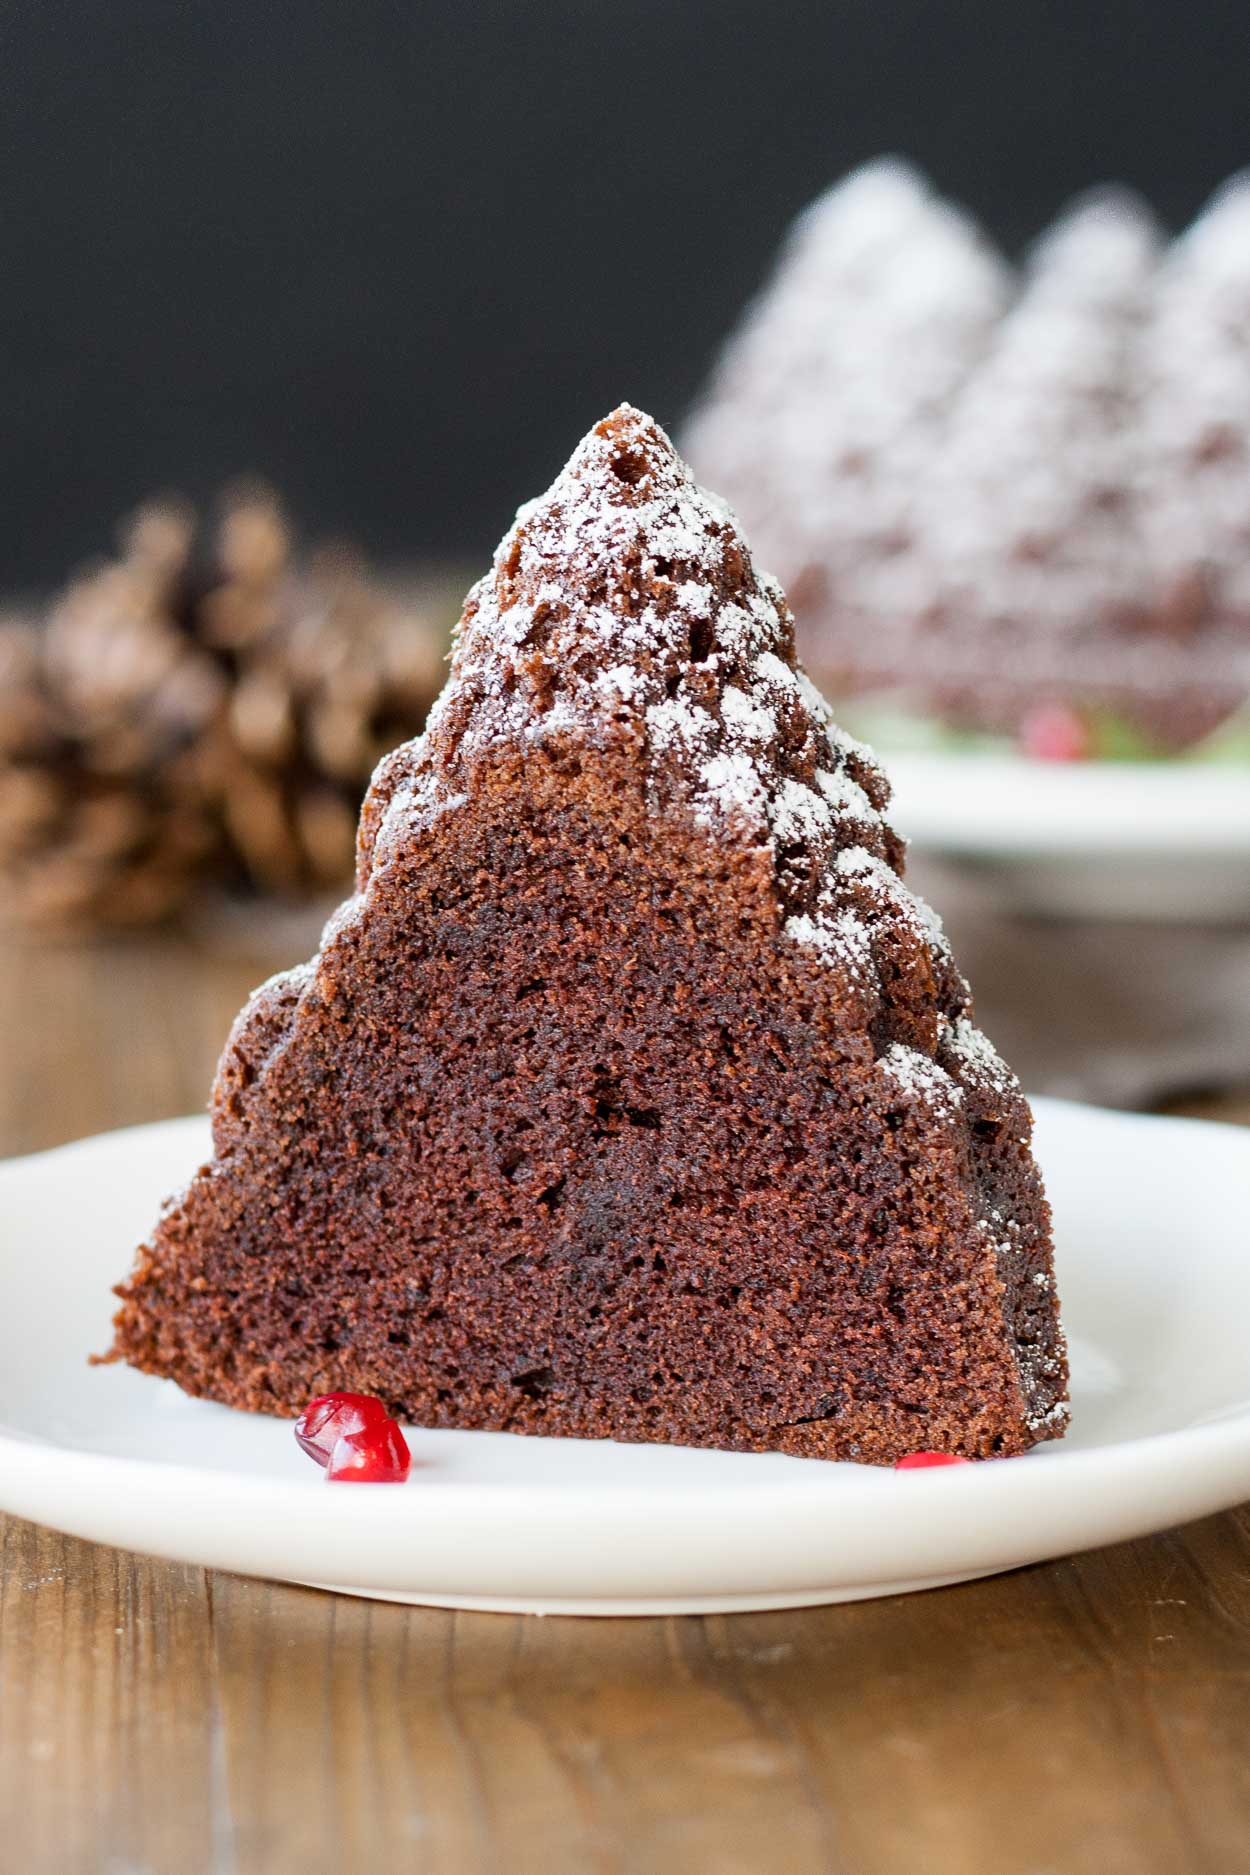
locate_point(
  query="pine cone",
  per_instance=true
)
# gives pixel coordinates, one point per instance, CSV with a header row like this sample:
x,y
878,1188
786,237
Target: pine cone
x,y
104,710
341,674
201,709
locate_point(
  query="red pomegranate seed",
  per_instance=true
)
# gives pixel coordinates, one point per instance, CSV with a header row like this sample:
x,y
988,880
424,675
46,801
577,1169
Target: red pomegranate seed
x,y
921,1461
374,1455
1053,732
324,1421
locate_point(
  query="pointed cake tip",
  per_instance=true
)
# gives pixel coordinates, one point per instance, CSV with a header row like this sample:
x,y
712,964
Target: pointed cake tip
x,y
883,185
625,420
625,490
1103,236
627,450
1217,241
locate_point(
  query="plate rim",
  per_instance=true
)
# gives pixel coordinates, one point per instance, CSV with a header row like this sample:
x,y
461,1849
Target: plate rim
x,y
1070,810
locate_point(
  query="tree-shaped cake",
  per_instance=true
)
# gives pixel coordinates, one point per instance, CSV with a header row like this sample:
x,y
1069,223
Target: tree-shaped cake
x,y
632,1094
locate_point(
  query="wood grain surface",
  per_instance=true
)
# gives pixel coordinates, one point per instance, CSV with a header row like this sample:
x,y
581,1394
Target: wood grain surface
x,y
1087,1717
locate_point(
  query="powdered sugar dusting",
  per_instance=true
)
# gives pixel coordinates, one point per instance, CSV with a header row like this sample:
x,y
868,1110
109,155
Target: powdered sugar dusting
x,y
1041,1368
622,681
839,938
883,887
920,1078
975,1051
747,716
845,796
799,815
678,721
732,786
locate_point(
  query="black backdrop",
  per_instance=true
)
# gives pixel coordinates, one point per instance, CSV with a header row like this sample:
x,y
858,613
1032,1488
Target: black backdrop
x,y
399,256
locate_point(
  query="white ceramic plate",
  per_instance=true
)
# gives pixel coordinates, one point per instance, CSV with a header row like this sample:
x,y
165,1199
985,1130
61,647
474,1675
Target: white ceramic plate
x,y
1095,839
1155,1278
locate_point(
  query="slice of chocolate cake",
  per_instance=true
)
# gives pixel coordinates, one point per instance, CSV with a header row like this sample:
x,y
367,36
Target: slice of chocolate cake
x,y
632,1095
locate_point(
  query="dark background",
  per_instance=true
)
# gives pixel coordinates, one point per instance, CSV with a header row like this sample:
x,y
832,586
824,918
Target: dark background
x,y
399,257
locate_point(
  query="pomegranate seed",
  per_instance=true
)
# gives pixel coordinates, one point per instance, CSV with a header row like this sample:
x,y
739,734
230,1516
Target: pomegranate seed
x,y
374,1455
324,1421
921,1461
1054,732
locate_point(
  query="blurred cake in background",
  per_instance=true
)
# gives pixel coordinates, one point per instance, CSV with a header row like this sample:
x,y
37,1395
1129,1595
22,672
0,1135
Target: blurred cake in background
x,y
203,710
1012,501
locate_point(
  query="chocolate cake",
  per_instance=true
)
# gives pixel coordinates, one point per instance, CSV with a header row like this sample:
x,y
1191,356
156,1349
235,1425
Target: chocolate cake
x,y
988,487
632,1094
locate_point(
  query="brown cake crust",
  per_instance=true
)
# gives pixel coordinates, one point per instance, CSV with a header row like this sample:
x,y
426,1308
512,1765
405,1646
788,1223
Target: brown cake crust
x,y
631,1095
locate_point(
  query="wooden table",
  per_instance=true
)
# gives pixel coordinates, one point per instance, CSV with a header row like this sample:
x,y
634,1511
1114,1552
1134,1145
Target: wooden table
x,y
1089,1717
